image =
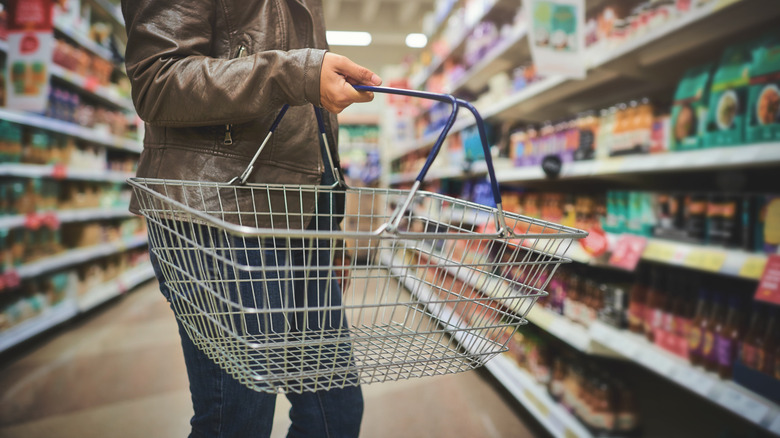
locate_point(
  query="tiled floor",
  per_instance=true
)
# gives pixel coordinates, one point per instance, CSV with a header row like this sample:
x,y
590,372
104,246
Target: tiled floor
x,y
119,373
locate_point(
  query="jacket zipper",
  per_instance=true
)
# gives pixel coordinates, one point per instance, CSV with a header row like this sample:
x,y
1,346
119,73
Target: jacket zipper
x,y
229,127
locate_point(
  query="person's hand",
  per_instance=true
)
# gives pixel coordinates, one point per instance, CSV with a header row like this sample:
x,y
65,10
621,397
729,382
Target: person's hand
x,y
337,77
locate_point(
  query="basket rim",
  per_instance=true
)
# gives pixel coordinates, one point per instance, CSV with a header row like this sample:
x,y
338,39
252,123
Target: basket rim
x,y
139,183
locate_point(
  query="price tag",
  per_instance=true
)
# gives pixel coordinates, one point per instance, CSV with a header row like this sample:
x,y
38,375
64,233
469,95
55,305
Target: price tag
x,y
628,251
541,318
51,221
32,221
743,405
753,267
91,84
659,251
11,279
543,410
611,165
59,171
705,260
769,287
722,4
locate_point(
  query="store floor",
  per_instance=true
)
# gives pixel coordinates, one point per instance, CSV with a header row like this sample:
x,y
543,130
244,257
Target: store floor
x,y
119,373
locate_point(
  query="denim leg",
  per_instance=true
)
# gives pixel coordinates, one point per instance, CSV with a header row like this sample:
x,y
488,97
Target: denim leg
x,y
223,407
336,413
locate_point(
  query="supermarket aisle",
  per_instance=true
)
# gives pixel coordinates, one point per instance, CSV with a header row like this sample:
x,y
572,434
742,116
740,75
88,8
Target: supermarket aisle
x,y
119,373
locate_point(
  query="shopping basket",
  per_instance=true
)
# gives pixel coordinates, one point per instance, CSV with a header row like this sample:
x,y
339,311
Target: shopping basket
x,y
269,290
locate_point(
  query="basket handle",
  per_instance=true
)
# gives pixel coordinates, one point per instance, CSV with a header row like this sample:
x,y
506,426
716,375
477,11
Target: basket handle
x,y
456,105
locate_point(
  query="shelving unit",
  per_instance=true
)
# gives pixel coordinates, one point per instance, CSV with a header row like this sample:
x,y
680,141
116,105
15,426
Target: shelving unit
x,y
67,216
551,97
550,414
727,395
105,292
78,256
95,136
94,93
648,65
108,95
71,307
61,172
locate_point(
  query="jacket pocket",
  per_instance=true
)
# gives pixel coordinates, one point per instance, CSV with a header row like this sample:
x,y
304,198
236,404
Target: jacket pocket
x,y
228,141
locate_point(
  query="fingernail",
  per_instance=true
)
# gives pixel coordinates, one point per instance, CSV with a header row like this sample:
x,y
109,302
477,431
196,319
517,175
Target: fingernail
x,y
376,80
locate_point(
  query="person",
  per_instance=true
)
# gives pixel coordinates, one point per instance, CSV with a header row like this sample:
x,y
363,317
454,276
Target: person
x,y
208,79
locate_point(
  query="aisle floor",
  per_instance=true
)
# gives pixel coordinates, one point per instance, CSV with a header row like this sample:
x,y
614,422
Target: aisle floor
x,y
119,373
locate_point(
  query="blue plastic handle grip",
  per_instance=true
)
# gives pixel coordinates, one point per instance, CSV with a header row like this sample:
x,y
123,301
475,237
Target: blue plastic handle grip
x,y
456,104
278,119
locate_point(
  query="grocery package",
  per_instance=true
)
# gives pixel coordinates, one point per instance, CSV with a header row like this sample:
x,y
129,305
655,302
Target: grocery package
x,y
764,92
689,112
727,112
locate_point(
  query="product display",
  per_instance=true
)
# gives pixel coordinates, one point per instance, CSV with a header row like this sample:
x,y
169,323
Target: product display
x,y
67,241
700,221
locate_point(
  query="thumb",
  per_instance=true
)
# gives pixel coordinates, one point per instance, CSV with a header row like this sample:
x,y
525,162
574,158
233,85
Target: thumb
x,y
356,74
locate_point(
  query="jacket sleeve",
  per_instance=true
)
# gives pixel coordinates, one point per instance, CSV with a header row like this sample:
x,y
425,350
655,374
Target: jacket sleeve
x,y
176,83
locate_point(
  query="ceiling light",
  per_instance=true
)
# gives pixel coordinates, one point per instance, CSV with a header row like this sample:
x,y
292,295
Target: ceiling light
x,y
416,40
342,38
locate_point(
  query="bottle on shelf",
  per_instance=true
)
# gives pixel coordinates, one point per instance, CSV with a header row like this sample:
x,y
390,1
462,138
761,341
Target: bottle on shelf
x,y
751,340
637,299
727,335
656,303
698,325
709,331
765,357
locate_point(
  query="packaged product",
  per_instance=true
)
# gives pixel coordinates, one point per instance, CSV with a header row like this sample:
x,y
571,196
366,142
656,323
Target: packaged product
x,y
767,235
727,114
764,92
689,111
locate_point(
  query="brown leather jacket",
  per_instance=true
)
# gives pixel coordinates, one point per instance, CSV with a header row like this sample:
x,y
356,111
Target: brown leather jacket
x,y
209,77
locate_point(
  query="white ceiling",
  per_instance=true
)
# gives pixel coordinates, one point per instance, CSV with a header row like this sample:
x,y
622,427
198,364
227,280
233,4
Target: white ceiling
x,y
388,21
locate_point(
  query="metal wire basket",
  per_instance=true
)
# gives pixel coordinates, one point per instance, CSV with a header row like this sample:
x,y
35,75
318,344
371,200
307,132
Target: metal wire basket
x,y
416,284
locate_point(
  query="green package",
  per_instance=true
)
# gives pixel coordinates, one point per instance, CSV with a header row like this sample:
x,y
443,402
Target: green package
x,y
764,92
727,115
689,111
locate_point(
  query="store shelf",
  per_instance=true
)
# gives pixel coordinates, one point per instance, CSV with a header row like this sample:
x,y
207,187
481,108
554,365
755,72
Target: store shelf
x,y
554,417
731,262
576,335
69,308
58,126
67,216
61,172
503,57
86,43
550,98
728,395
78,256
114,288
48,319
723,158
109,95
112,10
533,396
754,155
423,77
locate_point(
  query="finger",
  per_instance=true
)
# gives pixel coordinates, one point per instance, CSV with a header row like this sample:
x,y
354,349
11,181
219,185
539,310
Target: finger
x,y
354,72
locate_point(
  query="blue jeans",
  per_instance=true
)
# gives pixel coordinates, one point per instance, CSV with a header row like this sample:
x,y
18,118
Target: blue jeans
x,y
224,407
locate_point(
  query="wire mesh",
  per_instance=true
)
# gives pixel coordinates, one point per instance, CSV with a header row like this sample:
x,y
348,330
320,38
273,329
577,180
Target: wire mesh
x,y
286,301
